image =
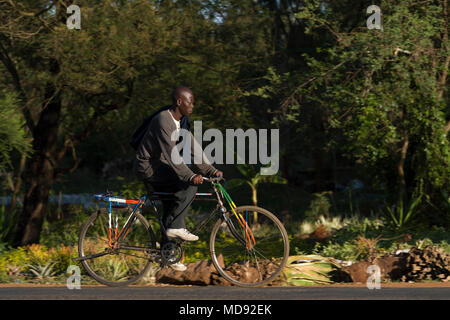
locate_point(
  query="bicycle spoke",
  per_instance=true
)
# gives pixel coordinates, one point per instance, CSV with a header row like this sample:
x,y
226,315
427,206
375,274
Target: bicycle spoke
x,y
117,265
260,257
133,255
265,258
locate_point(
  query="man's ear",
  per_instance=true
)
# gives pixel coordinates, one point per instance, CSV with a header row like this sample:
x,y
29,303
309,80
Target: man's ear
x,y
179,102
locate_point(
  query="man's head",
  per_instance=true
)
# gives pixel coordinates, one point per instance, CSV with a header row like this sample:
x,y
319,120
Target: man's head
x,y
183,98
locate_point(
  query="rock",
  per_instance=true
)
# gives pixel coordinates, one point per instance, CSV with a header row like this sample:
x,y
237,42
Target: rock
x,y
391,268
197,273
356,272
320,233
246,273
204,273
429,263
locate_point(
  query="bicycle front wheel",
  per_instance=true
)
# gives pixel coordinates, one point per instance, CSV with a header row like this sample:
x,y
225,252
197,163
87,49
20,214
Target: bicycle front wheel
x,y
249,247
110,261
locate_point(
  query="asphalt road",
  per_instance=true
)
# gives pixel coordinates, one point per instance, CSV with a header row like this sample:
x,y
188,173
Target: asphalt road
x,y
215,302
222,293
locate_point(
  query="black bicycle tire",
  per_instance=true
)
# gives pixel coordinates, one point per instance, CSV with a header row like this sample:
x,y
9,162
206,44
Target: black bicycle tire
x,y
92,273
285,240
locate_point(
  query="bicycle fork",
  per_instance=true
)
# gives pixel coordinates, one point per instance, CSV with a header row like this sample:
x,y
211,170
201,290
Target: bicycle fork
x,y
249,241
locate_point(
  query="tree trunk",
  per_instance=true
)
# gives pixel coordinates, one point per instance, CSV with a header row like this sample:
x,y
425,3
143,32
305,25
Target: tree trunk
x,y
40,172
255,203
254,196
443,76
401,167
16,187
38,185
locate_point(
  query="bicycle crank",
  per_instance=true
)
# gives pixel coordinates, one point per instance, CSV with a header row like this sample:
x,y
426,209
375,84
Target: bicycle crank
x,y
171,252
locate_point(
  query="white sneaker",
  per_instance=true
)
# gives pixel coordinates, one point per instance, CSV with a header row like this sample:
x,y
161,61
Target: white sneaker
x,y
182,234
178,266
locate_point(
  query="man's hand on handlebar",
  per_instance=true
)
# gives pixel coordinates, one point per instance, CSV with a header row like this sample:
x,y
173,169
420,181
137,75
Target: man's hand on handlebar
x,y
197,179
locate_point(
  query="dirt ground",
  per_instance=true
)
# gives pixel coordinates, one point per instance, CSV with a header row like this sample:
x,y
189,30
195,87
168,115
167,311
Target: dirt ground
x,y
431,284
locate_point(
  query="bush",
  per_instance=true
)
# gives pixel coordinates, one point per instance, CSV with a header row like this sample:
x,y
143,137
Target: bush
x,y
65,231
19,262
63,257
345,251
319,206
351,238
17,257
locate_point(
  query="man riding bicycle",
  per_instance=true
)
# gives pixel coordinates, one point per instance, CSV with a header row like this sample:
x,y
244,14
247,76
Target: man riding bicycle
x,y
159,164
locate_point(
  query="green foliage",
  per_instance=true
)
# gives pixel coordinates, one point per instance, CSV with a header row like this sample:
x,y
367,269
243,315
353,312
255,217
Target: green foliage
x,y
198,250
64,231
42,272
36,262
304,270
132,189
336,91
346,251
12,132
116,268
62,257
359,235
15,257
252,177
8,224
400,215
365,97
319,206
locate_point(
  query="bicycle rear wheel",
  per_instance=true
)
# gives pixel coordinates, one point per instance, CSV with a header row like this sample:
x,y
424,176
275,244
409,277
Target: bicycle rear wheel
x,y
116,263
249,248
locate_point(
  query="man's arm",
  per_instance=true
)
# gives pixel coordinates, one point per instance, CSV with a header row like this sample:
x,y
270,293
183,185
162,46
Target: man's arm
x,y
199,159
163,133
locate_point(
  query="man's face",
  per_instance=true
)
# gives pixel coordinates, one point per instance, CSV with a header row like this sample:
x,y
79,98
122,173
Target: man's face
x,y
185,103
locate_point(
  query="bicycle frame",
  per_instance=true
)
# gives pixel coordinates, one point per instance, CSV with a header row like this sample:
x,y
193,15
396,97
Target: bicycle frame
x,y
124,233
220,194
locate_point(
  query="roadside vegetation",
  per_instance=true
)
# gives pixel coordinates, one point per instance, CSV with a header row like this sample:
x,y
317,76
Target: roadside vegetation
x,y
322,227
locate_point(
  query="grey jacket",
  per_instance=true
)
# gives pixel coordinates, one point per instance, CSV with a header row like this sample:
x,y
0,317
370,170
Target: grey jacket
x,y
156,158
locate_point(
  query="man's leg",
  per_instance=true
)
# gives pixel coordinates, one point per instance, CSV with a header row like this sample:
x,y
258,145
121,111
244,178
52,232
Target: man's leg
x,y
176,209
184,194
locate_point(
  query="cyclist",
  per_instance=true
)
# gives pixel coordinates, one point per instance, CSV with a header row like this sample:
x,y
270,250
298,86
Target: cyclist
x,y
160,166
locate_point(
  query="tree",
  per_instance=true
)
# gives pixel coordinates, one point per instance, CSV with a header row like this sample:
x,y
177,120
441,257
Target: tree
x,y
12,131
121,65
386,90
252,177
67,80
379,97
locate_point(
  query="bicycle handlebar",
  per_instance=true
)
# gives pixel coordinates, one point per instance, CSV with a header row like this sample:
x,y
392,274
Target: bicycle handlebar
x,y
214,179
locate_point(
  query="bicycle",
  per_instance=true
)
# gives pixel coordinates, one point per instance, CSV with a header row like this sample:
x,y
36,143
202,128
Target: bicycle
x,y
248,245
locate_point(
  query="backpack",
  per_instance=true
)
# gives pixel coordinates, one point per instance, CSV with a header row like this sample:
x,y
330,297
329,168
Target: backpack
x,y
140,132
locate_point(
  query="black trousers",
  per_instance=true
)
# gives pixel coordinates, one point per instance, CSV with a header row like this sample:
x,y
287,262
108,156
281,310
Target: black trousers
x,y
177,206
